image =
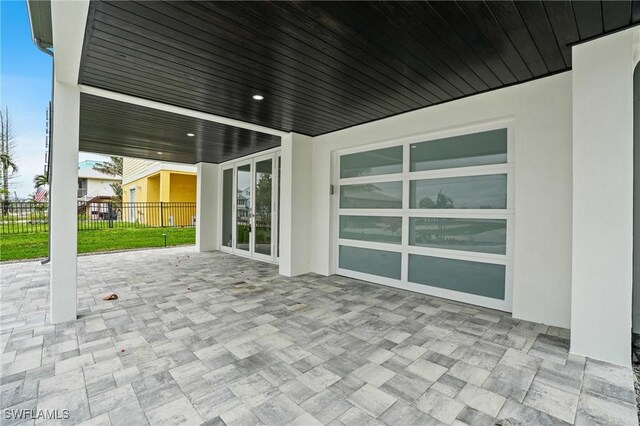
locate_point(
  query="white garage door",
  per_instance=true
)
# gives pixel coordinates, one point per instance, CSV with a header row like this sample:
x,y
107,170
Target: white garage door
x,y
431,215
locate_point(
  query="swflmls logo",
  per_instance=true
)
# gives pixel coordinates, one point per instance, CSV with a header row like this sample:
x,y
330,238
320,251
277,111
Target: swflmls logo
x,y
25,414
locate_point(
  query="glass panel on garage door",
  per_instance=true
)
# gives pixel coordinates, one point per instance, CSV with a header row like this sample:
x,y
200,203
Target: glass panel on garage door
x,y
431,216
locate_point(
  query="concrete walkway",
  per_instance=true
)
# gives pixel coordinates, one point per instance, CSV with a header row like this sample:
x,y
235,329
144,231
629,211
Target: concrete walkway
x,y
221,339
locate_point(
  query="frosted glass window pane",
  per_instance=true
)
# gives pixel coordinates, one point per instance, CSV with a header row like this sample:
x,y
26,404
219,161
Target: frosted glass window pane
x,y
380,229
460,151
382,195
370,163
227,207
467,192
369,261
479,235
482,279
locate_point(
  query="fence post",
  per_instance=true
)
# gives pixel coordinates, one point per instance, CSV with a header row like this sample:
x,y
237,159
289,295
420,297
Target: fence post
x,y
110,213
161,216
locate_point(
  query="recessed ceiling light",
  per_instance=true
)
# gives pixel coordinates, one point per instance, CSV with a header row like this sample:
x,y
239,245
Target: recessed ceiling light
x,y
413,146
258,97
191,135
159,152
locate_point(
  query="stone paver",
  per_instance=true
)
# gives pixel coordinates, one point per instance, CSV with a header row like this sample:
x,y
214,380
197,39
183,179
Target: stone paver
x,y
210,337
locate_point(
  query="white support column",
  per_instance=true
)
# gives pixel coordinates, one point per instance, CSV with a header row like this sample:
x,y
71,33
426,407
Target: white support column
x,y
68,20
207,206
63,223
603,197
295,205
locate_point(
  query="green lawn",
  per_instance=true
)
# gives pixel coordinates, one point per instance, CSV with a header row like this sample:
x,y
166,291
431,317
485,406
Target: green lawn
x,y
29,246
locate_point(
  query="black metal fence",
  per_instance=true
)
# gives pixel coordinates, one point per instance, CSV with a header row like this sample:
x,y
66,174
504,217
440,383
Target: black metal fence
x,y
20,218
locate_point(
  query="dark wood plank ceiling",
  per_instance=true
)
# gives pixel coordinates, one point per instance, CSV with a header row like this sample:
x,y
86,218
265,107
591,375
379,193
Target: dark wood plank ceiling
x,y
324,66
118,128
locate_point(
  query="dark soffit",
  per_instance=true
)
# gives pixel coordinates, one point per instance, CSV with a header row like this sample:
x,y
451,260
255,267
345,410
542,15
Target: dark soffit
x,y
40,20
324,66
119,128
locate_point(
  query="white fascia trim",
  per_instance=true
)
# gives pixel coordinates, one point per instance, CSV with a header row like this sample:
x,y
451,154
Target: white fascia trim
x,y
68,20
115,179
178,110
171,167
228,163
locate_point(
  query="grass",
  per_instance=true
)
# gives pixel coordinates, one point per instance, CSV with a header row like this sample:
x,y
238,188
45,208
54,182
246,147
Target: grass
x,y
34,245
8,227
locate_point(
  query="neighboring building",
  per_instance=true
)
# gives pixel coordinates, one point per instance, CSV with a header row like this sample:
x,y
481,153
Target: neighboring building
x,y
146,181
94,186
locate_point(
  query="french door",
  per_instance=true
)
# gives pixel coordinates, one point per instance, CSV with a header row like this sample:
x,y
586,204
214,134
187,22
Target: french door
x,y
249,207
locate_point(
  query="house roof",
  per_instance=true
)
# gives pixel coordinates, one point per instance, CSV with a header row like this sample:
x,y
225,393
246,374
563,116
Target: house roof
x,y
89,173
40,18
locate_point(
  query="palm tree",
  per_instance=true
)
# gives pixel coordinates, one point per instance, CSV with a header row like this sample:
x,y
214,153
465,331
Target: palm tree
x,y
112,167
40,180
6,163
7,159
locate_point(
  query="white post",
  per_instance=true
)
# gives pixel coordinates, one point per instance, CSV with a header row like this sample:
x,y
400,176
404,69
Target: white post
x,y
603,198
207,204
63,223
295,205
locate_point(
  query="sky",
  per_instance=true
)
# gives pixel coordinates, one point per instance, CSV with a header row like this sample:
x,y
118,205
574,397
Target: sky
x,y
25,88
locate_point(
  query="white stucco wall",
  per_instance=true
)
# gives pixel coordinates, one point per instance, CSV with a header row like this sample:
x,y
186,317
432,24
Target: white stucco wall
x,y
99,187
295,205
208,206
603,197
68,21
541,114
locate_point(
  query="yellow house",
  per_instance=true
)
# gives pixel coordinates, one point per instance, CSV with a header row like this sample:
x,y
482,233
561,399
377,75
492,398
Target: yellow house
x,y
159,193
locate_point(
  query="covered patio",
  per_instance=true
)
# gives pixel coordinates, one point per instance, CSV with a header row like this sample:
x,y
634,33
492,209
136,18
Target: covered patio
x,y
211,337
475,160
477,151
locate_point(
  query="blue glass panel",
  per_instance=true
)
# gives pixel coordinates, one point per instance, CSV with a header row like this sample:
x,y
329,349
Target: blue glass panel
x,y
370,163
466,192
482,279
369,261
381,195
380,229
479,235
476,149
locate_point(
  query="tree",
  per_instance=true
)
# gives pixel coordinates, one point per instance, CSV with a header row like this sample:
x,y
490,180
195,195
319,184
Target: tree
x,y
117,191
40,181
263,195
442,202
112,167
8,164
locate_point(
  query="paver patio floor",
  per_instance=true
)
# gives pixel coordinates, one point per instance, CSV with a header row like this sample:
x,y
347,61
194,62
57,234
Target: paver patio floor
x,y
210,337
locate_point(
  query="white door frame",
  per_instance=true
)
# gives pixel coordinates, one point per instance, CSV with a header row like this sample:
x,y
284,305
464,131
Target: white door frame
x,y
254,183
132,206
239,164
273,155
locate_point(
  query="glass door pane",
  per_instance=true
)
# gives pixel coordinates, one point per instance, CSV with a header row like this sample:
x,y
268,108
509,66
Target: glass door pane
x,y
278,204
227,208
263,193
243,207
